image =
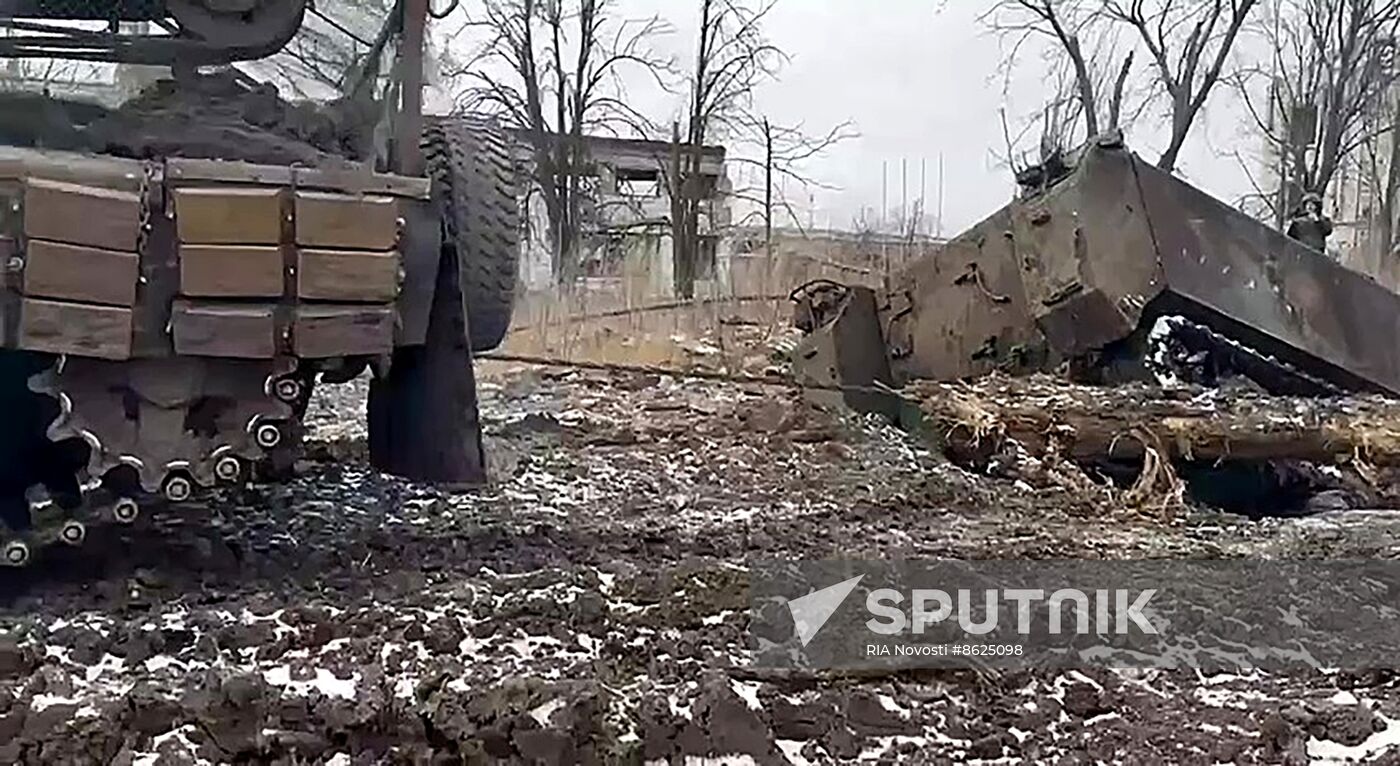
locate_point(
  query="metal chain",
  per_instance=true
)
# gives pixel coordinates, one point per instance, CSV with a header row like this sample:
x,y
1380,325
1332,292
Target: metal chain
x,y
102,496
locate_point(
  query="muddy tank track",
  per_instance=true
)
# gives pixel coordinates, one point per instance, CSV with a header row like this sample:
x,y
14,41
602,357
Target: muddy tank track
x,y
108,440
1180,349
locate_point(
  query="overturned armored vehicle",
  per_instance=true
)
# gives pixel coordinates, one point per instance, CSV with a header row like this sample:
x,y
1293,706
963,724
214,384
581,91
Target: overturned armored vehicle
x,y
1117,270
179,273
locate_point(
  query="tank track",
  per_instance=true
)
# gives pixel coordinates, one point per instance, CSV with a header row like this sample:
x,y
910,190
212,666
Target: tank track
x,y
127,436
1178,348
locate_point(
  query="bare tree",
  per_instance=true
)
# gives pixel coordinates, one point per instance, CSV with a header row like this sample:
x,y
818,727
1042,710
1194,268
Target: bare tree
x,y
781,154
733,57
327,46
1095,95
1332,62
1189,42
554,70
1384,213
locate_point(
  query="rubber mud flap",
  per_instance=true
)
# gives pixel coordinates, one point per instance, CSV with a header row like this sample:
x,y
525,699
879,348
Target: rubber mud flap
x,y
423,422
475,182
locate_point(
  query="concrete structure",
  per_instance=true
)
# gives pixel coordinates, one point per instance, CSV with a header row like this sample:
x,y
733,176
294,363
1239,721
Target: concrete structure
x,y
627,229
800,255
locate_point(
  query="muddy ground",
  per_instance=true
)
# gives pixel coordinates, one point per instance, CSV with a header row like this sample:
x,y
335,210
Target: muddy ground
x,y
591,605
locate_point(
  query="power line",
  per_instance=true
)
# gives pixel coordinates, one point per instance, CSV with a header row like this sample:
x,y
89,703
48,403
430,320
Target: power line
x,y
780,381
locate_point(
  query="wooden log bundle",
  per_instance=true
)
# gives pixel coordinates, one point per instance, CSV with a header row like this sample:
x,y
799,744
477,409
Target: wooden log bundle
x,y
1088,423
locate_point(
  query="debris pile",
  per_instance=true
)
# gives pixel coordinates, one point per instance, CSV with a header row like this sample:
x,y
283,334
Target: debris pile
x,y
1161,442
211,116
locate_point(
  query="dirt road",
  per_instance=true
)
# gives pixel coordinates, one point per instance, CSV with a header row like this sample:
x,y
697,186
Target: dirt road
x,y
591,605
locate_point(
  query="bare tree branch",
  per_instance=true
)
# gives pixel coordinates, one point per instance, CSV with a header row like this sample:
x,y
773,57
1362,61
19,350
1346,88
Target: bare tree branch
x,y
554,70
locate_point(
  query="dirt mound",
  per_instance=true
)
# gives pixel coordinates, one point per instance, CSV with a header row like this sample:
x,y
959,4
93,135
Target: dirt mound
x,y
215,116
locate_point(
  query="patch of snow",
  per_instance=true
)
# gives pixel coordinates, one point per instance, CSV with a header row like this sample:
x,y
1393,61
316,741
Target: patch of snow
x,y
46,701
792,750
159,662
888,703
544,712
748,691
324,682
1325,751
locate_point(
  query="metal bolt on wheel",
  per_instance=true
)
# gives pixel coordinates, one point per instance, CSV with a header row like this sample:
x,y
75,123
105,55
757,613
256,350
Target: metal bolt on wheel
x,y
228,468
126,510
177,489
288,390
267,436
16,554
73,533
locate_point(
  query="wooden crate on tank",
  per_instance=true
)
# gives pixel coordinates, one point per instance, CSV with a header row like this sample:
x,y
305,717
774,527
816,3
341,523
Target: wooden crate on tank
x,y
82,215
60,327
229,215
237,330
80,273
351,276
231,271
346,221
325,331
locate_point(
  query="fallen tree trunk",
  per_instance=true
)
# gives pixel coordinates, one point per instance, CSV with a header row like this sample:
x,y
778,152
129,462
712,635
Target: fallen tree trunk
x,y
1083,423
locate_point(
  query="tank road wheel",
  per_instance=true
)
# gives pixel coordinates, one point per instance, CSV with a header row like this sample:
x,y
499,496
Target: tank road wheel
x,y
423,421
474,181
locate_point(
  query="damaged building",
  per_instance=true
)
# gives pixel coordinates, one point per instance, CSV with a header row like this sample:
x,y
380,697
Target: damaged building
x,y
626,243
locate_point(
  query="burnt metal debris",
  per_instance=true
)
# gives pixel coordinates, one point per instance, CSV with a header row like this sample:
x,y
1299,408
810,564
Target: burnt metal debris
x,y
1082,271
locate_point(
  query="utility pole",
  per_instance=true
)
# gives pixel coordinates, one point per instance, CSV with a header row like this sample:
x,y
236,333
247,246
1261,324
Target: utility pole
x,y
904,210
884,192
938,232
884,206
923,191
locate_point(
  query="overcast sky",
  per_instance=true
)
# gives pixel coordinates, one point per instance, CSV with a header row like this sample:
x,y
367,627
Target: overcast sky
x,y
919,81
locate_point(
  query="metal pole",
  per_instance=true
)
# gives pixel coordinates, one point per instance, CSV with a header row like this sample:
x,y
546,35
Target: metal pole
x,y
410,127
939,225
923,191
884,207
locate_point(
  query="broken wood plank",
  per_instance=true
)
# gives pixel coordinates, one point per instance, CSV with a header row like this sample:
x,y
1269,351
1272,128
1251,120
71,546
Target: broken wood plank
x,y
348,275
82,274
74,328
231,271
18,163
347,177
321,332
235,330
81,215
227,215
344,221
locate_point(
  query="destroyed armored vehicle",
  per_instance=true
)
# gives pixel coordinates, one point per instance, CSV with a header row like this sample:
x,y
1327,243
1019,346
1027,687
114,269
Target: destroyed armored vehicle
x,y
1116,270
168,304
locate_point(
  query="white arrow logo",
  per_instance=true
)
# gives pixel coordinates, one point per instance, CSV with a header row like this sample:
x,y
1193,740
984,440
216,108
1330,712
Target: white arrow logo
x,y
810,612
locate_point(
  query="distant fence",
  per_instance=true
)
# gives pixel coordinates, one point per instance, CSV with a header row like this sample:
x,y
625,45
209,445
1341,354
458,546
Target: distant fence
x,y
631,317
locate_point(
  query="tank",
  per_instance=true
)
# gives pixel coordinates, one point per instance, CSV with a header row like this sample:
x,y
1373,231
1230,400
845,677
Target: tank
x,y
181,272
